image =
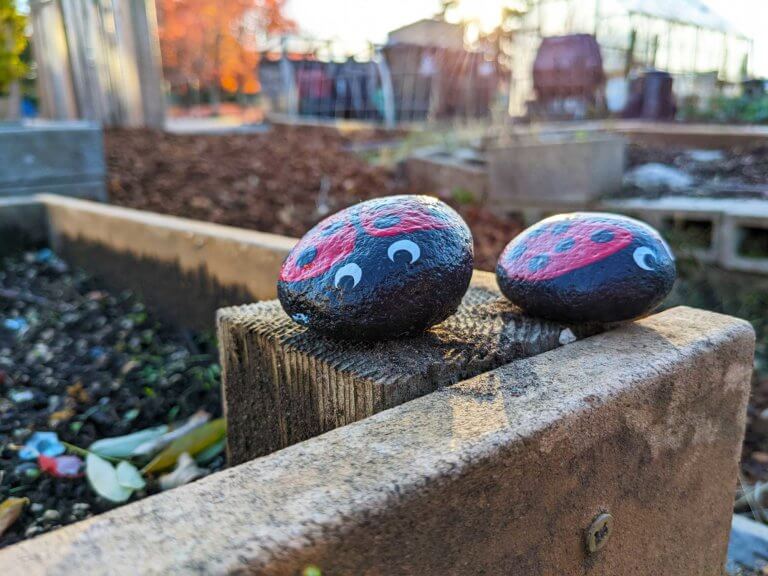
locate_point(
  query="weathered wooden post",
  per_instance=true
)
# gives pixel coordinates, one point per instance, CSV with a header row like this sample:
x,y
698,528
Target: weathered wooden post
x,y
99,61
511,472
283,384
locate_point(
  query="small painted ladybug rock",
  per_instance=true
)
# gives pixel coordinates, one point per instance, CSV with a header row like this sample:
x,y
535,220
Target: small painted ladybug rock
x,y
587,267
381,269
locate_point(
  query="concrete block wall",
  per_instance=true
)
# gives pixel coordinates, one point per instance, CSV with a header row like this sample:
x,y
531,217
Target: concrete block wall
x,y
65,158
504,473
737,221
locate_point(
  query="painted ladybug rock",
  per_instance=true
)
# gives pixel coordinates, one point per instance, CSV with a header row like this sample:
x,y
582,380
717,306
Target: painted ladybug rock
x,y
587,267
381,269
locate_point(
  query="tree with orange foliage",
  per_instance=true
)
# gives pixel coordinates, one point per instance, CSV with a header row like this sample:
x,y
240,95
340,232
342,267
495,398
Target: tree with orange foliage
x,y
215,44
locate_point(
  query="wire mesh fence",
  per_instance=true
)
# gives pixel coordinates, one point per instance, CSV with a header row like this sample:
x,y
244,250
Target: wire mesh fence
x,y
401,83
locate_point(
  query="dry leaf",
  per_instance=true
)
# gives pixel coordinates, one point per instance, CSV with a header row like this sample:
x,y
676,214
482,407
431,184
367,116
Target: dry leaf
x,y
186,470
193,443
10,510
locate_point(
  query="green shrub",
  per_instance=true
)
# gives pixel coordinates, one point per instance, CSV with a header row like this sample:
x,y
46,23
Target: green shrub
x,y
462,196
731,110
12,44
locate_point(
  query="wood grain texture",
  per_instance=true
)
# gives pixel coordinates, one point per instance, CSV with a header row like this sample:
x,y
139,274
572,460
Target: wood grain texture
x,y
284,384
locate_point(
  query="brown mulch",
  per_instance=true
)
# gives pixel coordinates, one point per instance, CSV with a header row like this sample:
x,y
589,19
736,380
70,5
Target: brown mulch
x,y
281,181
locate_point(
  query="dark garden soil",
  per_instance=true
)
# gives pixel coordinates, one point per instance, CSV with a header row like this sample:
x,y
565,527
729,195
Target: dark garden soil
x,y
86,364
283,181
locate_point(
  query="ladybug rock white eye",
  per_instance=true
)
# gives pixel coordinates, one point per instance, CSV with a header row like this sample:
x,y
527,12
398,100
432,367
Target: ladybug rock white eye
x,y
644,257
351,270
404,246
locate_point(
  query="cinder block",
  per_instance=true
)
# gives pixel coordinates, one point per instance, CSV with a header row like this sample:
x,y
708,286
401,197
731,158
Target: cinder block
x,y
560,171
737,226
681,219
499,474
283,383
437,171
65,158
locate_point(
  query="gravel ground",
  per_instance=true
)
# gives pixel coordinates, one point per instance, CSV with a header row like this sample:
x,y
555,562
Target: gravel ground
x,y
87,364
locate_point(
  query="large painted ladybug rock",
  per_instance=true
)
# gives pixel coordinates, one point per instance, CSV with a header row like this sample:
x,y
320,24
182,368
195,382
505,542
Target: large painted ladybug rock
x,y
380,269
586,267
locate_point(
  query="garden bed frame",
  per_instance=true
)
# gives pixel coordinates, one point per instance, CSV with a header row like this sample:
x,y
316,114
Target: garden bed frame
x,y
183,269
566,462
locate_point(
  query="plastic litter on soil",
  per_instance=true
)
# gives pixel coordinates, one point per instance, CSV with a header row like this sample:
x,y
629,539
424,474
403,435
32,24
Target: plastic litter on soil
x,y
86,364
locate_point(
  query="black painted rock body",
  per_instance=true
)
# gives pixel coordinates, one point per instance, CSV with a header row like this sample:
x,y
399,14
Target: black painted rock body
x,y
383,268
585,267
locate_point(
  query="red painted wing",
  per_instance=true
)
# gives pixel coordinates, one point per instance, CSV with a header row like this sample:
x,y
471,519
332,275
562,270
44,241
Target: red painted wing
x,y
390,219
561,247
325,245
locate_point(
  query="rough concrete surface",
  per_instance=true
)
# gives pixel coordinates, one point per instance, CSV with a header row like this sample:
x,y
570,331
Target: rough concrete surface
x,y
283,383
61,157
439,173
184,269
554,170
500,474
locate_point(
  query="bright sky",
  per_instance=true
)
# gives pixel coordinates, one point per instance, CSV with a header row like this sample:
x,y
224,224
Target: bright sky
x,y
355,22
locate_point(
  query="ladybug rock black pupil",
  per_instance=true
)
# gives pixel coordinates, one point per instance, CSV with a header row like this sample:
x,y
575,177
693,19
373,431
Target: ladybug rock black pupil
x,y
306,257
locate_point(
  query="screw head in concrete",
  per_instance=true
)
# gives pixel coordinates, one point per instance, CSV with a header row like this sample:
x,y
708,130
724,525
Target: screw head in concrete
x,y
599,532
